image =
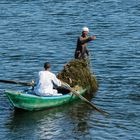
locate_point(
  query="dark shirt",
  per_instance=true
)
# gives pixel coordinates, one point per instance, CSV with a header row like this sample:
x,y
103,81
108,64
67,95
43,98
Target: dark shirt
x,y
81,51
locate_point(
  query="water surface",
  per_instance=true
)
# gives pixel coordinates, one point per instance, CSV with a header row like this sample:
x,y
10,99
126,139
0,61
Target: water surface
x,y
35,31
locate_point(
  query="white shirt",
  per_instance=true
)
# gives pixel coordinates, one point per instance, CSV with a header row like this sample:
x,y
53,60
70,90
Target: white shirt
x,y
45,84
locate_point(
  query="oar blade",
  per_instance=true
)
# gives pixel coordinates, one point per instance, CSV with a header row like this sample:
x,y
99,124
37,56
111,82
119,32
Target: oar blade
x,y
84,99
91,104
17,82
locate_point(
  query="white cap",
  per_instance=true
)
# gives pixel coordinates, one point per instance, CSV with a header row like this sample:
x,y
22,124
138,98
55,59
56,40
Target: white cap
x,y
85,29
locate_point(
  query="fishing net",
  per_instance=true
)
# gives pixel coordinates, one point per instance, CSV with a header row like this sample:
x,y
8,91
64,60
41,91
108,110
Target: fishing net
x,y
77,72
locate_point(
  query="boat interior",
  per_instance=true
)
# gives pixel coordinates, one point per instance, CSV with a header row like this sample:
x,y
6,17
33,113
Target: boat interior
x,y
63,90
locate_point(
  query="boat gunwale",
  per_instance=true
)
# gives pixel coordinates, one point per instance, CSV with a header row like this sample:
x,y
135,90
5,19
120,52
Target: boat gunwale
x,y
24,94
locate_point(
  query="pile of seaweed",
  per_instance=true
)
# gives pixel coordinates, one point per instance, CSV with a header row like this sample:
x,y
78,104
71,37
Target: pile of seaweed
x,y
77,72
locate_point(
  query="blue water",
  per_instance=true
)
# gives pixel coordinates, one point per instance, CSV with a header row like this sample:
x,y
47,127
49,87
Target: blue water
x,y
35,31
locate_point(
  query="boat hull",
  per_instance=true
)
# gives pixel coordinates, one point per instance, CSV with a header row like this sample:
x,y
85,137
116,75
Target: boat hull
x,y
32,102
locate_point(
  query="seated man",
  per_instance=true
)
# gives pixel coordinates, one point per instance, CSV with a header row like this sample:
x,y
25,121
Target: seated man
x,y
46,82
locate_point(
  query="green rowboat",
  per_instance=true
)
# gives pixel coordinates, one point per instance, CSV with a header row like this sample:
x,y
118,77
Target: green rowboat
x,y
28,101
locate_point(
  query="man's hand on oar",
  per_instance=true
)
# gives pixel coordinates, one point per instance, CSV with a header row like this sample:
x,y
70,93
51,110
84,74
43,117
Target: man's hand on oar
x,y
18,82
84,99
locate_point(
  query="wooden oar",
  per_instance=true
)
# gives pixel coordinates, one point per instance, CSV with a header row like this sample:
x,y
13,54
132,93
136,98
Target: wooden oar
x,y
85,100
17,82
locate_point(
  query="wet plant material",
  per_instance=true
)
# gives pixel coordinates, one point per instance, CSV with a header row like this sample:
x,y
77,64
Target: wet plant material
x,y
77,72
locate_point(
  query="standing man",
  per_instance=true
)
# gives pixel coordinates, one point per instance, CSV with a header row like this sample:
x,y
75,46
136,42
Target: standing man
x,y
81,51
46,82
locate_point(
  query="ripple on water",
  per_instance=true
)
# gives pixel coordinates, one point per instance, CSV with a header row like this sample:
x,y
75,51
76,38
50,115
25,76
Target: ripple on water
x,y
32,32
